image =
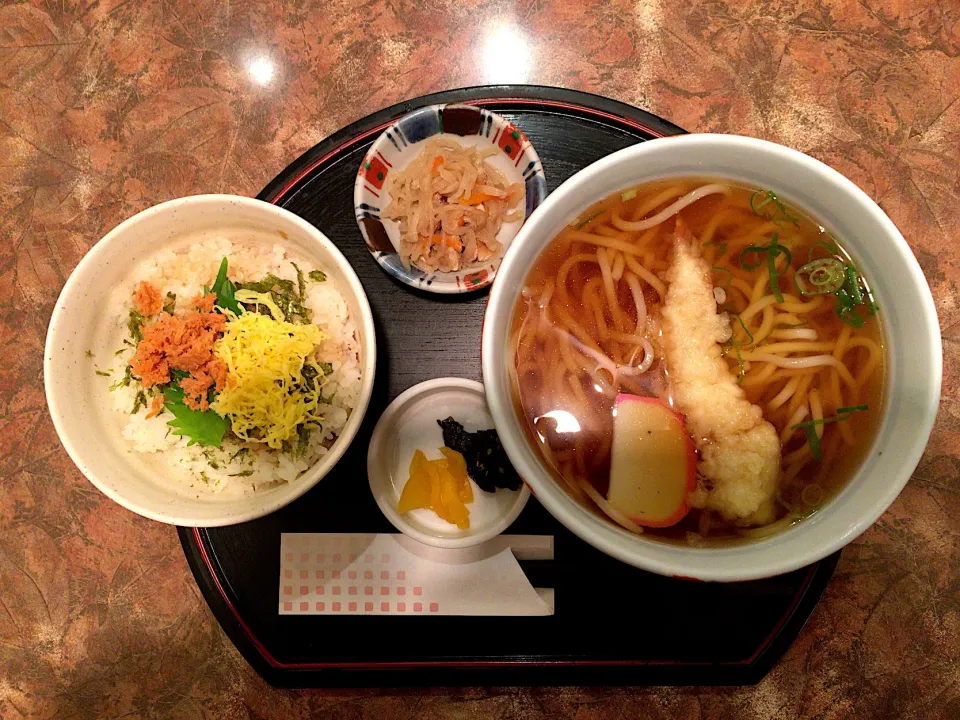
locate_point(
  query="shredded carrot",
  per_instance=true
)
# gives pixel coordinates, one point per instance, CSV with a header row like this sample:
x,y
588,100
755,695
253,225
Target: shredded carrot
x,y
460,221
147,299
155,406
437,162
478,198
450,241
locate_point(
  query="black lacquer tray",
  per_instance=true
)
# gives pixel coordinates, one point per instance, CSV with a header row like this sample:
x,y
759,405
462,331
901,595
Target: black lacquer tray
x,y
614,624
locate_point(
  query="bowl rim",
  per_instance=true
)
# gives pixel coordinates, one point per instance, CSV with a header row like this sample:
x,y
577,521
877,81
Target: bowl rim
x,y
384,424
710,564
365,325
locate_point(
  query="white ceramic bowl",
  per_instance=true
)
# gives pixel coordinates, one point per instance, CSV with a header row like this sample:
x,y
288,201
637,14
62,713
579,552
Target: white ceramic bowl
x,y
94,445
912,339
410,423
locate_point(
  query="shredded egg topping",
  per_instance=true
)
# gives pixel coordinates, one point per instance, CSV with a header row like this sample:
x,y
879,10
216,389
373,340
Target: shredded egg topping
x,y
266,395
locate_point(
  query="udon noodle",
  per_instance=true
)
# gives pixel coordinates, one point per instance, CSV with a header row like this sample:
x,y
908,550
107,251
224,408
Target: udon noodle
x,y
589,326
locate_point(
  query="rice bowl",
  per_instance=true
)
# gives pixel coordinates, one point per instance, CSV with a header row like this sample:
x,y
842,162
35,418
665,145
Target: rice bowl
x,y
234,467
136,456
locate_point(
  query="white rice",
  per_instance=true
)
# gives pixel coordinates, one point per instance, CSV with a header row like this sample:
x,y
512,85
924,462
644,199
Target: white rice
x,y
222,470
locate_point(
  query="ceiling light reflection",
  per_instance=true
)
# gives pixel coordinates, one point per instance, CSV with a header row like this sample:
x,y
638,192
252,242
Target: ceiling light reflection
x,y
261,70
566,422
506,55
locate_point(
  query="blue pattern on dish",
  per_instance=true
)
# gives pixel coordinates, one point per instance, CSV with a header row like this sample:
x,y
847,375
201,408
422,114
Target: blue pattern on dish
x,y
421,125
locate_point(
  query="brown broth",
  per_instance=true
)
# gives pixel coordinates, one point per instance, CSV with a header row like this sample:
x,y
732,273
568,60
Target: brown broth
x,y
558,385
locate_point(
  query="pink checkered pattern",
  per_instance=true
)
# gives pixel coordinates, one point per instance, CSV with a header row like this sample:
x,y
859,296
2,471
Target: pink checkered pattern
x,y
341,569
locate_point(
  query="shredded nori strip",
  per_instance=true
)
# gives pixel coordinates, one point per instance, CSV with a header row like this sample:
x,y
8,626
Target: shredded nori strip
x,y
125,380
135,323
487,462
301,284
285,294
140,401
298,448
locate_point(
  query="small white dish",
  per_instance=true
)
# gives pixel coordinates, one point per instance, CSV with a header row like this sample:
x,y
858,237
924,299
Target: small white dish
x,y
410,423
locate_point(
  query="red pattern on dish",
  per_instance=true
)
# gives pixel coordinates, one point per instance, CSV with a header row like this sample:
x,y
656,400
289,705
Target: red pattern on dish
x,y
511,141
375,171
477,278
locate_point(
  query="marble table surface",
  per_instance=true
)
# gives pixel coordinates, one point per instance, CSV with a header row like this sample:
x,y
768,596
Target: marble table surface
x,y
109,106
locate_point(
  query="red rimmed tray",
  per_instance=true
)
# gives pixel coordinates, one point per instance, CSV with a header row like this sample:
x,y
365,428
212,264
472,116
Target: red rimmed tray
x,y
613,624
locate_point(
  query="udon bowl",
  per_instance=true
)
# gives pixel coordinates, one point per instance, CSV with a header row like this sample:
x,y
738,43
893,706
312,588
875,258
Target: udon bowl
x,y
911,339
76,400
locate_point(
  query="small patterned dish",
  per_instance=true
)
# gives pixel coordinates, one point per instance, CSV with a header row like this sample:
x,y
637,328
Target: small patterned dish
x,y
400,144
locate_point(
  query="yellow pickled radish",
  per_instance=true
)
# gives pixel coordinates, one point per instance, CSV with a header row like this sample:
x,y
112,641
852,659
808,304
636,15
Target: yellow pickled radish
x,y
440,485
454,511
417,492
458,468
456,463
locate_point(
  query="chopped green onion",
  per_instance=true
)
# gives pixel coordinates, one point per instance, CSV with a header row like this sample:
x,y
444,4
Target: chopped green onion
x,y
628,195
809,426
820,277
759,250
832,248
853,408
842,414
853,285
778,215
773,251
742,371
101,372
727,272
772,267
746,331
768,197
721,247
846,309
578,223
813,440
